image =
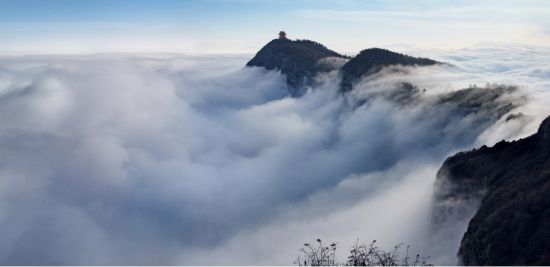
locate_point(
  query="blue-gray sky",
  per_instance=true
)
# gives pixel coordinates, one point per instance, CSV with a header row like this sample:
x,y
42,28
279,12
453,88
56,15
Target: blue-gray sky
x,y
234,26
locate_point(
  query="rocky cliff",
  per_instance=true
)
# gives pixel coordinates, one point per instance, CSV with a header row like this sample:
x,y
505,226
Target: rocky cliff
x,y
511,181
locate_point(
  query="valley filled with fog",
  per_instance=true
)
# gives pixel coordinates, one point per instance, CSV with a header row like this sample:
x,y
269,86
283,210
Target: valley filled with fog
x,y
179,159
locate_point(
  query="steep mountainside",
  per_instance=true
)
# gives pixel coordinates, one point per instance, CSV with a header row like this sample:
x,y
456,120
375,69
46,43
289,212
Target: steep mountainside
x,y
512,182
296,59
372,60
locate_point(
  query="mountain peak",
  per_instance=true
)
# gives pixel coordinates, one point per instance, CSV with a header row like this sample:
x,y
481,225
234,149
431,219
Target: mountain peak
x,y
296,59
371,60
300,60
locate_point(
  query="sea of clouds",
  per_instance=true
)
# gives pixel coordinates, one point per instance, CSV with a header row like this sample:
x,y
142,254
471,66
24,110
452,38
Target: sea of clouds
x,y
174,159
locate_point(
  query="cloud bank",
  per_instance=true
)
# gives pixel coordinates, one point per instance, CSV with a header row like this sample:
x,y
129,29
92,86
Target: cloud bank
x,y
170,159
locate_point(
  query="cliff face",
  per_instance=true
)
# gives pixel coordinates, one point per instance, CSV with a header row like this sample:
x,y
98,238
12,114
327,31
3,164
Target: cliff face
x,y
298,60
512,183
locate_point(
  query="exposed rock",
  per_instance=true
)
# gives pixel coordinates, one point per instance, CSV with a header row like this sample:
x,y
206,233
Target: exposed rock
x,y
511,180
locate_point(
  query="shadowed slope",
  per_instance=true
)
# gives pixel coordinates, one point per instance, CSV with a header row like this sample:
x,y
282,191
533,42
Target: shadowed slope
x,y
512,180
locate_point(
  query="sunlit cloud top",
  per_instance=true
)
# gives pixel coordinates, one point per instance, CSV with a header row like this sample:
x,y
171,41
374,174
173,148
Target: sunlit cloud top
x,y
236,26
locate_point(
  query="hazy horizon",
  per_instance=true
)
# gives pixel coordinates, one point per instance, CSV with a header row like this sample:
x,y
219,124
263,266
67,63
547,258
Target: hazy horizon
x,y
243,26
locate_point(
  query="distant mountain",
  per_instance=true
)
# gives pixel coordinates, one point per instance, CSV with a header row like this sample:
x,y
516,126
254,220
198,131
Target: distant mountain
x,y
298,60
511,180
301,60
370,61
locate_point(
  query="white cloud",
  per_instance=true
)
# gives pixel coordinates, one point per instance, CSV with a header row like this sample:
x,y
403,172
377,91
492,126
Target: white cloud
x,y
167,159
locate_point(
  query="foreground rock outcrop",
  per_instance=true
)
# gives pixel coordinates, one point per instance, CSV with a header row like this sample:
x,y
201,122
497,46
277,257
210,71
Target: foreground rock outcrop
x,y
511,182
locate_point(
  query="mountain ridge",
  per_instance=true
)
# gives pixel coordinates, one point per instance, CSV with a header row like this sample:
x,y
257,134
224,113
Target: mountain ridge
x,y
298,61
372,60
